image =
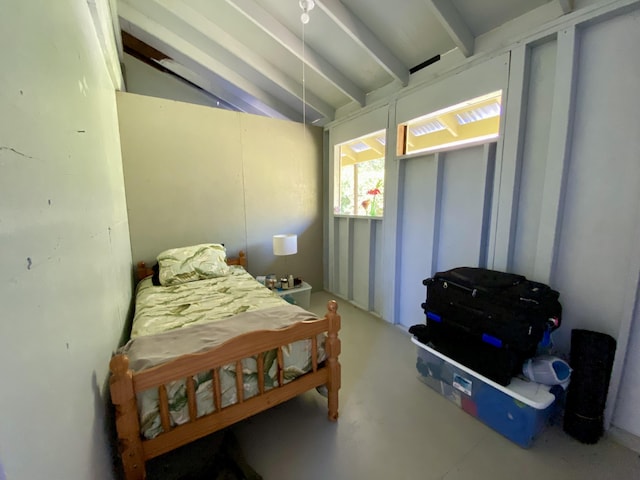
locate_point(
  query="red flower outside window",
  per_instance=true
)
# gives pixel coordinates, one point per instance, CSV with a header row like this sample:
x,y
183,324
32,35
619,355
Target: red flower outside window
x,y
370,205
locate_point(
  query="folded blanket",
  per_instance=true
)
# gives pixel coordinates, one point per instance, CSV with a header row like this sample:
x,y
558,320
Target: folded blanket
x,y
151,350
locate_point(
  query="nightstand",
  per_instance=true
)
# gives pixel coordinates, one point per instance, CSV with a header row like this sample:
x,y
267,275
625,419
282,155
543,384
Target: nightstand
x,y
300,296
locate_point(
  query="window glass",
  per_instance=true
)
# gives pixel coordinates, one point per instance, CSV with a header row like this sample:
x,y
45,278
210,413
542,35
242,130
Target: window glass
x,y
468,123
347,183
361,170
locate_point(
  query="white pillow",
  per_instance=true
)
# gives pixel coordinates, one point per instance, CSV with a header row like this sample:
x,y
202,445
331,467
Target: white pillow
x,y
197,262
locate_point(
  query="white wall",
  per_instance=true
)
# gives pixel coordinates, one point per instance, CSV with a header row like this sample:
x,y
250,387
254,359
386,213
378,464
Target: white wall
x,y
534,153
564,195
197,174
405,237
601,219
65,262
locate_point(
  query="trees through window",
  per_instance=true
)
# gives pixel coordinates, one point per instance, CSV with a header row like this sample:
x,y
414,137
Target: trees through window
x,y
361,174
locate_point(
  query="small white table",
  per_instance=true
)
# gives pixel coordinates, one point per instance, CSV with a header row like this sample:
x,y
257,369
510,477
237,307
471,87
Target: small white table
x,y
300,296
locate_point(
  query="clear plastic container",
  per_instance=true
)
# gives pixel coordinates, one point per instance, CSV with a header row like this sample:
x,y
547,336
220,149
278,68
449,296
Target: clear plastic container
x,y
271,281
519,411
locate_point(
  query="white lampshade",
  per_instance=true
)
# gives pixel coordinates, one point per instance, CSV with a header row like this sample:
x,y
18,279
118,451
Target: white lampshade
x,y
286,244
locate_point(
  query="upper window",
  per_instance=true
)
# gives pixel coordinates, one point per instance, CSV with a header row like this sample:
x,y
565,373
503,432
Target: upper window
x,y
472,122
361,176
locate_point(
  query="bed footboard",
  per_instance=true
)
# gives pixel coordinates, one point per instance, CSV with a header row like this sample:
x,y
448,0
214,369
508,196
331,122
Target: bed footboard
x,y
126,384
123,398
333,349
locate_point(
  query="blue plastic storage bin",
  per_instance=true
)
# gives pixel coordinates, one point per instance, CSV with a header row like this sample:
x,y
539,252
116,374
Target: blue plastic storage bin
x,y
519,411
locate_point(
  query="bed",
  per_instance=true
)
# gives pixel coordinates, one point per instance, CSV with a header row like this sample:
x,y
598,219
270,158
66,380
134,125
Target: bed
x,y
208,350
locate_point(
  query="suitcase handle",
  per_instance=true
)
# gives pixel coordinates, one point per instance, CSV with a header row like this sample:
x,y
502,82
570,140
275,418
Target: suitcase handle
x,y
445,284
479,279
474,291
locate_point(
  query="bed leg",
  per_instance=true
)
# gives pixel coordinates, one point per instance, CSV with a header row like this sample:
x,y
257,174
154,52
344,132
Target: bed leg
x,y
127,424
332,346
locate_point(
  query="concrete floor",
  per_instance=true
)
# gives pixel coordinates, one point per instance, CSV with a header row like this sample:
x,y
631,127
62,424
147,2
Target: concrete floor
x,y
392,426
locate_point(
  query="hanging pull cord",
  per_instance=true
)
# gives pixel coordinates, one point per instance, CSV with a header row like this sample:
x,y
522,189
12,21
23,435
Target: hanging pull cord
x,y
304,89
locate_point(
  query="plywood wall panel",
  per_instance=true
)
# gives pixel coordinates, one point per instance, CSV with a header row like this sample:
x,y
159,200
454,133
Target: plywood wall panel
x,y
196,174
419,192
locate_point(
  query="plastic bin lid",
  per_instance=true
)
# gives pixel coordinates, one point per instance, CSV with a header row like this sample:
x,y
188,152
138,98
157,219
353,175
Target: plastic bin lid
x,y
531,393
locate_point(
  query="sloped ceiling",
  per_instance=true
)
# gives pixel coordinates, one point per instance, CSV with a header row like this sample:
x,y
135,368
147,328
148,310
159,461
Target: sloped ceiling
x,y
258,57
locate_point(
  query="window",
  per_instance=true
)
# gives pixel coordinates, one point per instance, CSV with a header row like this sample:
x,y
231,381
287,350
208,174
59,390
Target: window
x,y
361,176
472,122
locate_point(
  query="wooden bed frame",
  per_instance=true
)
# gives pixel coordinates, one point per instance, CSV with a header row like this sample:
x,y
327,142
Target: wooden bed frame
x,y
125,384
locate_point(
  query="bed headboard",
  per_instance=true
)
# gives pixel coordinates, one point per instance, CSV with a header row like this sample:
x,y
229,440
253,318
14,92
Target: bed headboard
x,y
142,271
241,259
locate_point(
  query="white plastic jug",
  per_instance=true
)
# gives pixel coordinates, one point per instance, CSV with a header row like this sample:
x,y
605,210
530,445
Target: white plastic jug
x,y
547,369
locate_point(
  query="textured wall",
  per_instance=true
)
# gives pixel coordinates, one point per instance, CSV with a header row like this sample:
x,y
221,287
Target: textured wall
x,y
196,174
65,261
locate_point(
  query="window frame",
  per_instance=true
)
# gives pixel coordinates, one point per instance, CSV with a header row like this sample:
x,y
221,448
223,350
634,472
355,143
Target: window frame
x,y
376,202
448,122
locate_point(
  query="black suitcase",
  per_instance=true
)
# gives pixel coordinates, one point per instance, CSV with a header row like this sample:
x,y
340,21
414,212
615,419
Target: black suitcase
x,y
487,320
497,364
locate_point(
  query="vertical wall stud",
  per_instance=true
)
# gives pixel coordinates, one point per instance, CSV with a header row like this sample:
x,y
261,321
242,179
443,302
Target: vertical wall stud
x,y
350,262
332,231
629,315
559,152
327,217
506,186
489,154
439,161
373,227
390,224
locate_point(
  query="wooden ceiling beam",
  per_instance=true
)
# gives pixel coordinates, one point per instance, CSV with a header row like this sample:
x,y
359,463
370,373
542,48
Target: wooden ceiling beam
x,y
450,123
136,47
454,25
374,145
241,53
281,34
256,100
565,5
363,36
165,64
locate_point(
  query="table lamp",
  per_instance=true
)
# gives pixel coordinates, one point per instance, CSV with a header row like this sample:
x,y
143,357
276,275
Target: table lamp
x,y
285,244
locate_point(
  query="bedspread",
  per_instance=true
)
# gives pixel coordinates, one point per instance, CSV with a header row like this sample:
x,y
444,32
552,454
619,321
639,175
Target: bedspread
x,y
160,309
193,317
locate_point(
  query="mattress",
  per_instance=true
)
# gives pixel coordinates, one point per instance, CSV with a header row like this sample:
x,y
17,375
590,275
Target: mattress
x,y
196,316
